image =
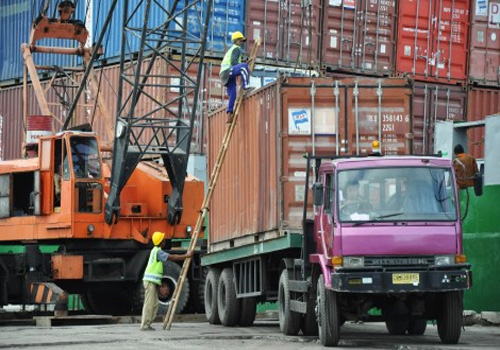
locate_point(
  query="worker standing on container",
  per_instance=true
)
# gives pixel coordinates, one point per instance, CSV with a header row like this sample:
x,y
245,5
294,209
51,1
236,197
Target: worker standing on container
x,y
153,278
231,68
465,167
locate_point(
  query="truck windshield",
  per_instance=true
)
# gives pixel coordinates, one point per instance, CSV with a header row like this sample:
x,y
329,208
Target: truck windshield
x,y
85,157
396,194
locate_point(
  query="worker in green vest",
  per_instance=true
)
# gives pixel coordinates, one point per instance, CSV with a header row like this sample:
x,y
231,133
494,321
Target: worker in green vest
x,y
153,278
231,68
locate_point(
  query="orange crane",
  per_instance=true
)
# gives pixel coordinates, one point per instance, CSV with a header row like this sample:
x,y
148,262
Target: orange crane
x,y
60,196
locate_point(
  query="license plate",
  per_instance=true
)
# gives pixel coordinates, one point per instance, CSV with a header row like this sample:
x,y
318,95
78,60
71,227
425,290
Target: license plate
x,y
405,278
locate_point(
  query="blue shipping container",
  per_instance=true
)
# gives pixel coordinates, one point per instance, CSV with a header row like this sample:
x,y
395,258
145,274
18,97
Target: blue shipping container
x,y
227,17
16,18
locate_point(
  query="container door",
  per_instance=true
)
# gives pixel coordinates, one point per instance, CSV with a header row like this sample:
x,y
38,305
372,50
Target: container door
x,y
340,33
449,56
262,23
5,183
376,36
414,37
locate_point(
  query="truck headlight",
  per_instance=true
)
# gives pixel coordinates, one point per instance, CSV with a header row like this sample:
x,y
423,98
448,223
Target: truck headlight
x,y
444,259
354,261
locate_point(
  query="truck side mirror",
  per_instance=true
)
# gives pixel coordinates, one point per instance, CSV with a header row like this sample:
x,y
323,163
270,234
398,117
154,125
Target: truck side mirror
x,y
318,194
478,184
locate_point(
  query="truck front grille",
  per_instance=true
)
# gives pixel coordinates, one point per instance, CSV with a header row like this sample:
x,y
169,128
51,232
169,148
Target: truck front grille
x,y
399,261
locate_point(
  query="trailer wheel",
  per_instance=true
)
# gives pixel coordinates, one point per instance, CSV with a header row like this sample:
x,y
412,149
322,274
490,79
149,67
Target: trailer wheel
x,y
309,324
289,320
328,315
417,327
449,322
228,306
248,310
397,327
210,293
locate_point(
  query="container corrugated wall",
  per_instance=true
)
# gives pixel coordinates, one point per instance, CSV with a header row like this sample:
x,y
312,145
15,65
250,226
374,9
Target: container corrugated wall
x,y
261,184
433,39
227,17
359,36
433,102
288,33
484,59
16,18
480,103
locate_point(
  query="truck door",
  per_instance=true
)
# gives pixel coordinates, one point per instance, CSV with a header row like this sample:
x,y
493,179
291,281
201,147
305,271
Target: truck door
x,y
327,214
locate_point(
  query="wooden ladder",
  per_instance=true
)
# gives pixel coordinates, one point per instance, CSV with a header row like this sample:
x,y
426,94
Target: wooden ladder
x,y
167,322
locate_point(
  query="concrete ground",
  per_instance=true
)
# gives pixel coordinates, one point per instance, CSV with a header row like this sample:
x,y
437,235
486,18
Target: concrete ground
x,y
265,334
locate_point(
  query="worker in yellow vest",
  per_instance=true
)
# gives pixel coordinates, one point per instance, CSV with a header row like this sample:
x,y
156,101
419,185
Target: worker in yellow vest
x,y
153,278
231,68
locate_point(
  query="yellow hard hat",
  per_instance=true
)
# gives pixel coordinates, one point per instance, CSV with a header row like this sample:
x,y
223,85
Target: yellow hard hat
x,y
237,35
158,237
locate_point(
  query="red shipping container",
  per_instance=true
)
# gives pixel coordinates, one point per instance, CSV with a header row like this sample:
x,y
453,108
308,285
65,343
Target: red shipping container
x,y
289,32
359,36
433,40
261,184
484,59
433,102
480,104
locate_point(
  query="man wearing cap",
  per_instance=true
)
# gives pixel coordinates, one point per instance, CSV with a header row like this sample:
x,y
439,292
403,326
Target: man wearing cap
x,y
232,67
153,278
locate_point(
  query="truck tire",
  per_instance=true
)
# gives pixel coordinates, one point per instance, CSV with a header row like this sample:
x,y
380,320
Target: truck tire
x,y
227,304
289,320
171,274
449,322
248,311
397,327
417,327
328,315
210,293
309,324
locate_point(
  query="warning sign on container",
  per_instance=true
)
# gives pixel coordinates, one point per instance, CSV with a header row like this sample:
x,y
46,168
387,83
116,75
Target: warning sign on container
x,y
299,121
348,4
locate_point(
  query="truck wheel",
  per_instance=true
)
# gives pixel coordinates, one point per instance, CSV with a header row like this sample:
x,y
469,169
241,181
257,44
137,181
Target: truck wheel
x,y
449,322
309,324
227,304
417,327
248,310
328,315
397,327
210,293
171,274
289,320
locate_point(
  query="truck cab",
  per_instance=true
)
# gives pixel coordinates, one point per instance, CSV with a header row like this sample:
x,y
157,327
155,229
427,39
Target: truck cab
x,y
387,235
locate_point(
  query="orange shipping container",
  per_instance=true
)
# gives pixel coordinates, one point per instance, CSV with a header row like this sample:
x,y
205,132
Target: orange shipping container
x,y
433,40
260,188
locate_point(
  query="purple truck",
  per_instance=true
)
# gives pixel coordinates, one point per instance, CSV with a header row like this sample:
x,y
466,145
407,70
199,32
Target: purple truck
x,y
386,234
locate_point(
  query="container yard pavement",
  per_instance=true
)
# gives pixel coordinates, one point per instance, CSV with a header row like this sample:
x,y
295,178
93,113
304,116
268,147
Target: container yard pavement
x,y
265,334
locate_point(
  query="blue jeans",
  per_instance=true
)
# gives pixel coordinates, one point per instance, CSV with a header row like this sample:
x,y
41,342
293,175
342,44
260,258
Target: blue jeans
x,y
239,69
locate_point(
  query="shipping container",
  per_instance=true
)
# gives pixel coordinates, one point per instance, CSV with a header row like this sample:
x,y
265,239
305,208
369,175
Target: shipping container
x,y
359,36
484,55
480,103
227,16
433,40
289,32
16,18
261,184
431,103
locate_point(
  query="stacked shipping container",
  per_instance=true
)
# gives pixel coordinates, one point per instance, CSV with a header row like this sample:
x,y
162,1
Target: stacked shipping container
x,y
451,48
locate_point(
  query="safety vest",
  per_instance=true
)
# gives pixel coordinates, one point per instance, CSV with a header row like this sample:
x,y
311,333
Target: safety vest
x,y
226,61
154,270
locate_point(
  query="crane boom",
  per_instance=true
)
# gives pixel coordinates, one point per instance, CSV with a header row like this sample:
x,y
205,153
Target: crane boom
x,y
165,127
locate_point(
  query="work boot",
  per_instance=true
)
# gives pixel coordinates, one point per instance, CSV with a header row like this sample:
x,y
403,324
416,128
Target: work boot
x,y
230,117
248,89
148,328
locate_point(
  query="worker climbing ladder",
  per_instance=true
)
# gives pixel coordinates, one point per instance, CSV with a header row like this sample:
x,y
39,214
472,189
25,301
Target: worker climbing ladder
x,y
208,197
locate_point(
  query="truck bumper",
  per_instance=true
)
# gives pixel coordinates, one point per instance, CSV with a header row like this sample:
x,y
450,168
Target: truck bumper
x,y
373,280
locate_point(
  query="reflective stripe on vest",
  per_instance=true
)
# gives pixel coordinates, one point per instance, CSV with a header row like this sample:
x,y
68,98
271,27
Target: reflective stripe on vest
x,y
154,270
226,61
